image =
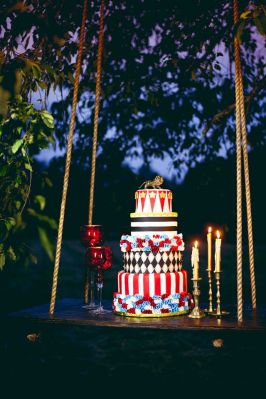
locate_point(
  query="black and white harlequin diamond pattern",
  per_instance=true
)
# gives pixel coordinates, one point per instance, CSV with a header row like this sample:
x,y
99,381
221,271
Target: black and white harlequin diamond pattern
x,y
152,262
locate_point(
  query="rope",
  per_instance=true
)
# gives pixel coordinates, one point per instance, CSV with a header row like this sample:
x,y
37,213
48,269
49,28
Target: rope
x,y
247,190
96,111
95,132
68,159
238,174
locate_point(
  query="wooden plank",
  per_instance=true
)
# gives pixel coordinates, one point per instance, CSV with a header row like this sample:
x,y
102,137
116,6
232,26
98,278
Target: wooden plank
x,y
70,311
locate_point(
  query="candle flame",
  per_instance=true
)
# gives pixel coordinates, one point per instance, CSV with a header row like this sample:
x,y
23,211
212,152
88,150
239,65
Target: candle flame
x,y
218,234
209,229
196,244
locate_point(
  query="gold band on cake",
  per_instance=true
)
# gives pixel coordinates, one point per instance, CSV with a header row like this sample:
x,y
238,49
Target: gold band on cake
x,y
181,312
153,214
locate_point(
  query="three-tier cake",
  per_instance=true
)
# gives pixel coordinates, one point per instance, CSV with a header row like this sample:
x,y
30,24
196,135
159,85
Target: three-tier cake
x,y
153,282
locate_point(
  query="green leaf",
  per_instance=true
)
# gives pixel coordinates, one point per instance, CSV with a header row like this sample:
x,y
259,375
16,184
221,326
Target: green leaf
x,y
19,98
42,85
3,170
10,222
11,254
28,167
40,199
33,258
36,71
48,182
16,146
2,260
260,23
239,29
48,119
46,243
246,14
18,204
71,78
43,218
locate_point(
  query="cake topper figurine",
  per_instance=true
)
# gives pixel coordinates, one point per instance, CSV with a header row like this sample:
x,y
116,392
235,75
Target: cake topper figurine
x,y
155,183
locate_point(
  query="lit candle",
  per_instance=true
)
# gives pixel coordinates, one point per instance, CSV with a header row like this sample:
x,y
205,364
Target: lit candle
x,y
218,243
209,242
195,261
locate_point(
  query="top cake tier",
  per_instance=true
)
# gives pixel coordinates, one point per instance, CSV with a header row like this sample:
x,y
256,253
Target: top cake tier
x,y
153,201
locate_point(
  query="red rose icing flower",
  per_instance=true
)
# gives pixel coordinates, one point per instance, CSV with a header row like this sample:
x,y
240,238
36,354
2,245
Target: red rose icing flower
x,y
147,311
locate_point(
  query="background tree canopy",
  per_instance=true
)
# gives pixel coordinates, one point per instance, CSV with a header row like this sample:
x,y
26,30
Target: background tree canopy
x,y
167,71
167,89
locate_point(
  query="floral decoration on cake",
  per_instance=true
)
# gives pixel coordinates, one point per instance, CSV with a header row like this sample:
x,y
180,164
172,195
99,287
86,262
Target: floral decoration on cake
x,y
153,243
141,305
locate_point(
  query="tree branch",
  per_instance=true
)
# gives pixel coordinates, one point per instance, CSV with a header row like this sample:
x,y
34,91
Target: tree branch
x,y
218,118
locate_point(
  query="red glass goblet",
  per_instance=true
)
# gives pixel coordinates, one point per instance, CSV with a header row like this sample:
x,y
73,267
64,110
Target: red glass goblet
x,y
91,235
100,259
95,257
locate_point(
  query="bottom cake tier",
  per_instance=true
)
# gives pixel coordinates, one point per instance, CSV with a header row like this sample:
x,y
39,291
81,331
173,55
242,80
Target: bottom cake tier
x,y
152,295
155,306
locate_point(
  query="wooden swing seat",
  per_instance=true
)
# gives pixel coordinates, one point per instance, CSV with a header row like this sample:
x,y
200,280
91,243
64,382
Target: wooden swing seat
x,y
69,311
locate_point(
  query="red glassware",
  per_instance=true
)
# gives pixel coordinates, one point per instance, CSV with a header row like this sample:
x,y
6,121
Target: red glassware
x,y
98,260
91,235
99,257
108,258
95,256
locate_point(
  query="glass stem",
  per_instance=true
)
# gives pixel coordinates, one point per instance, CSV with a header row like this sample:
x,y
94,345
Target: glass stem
x,y
100,295
92,279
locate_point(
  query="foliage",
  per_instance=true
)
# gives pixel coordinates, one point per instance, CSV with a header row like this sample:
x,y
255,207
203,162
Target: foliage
x,y
167,80
255,15
24,131
162,86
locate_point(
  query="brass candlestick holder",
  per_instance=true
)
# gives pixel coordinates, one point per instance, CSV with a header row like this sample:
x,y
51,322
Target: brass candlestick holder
x,y
196,313
210,308
218,312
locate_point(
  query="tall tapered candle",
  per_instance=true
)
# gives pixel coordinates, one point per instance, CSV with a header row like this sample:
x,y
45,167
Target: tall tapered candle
x,y
195,261
209,243
218,244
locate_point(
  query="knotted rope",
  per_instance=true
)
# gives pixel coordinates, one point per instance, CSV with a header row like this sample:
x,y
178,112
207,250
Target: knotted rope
x,y
68,159
241,142
248,197
95,133
96,111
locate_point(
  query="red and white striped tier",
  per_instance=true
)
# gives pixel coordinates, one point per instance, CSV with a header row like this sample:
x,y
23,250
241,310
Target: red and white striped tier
x,y
153,201
152,284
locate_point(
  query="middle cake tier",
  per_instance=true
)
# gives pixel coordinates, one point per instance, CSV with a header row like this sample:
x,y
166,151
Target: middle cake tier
x,y
145,223
152,262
